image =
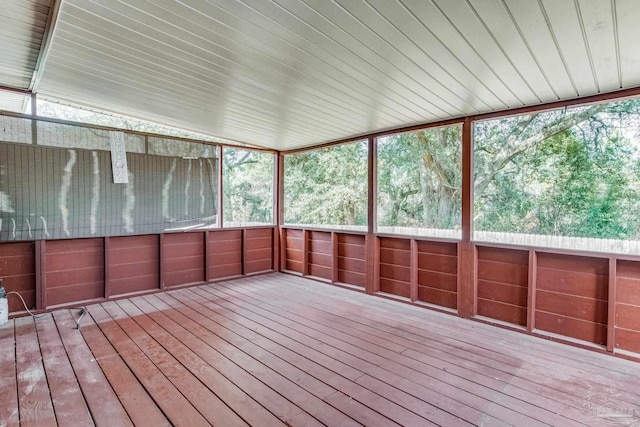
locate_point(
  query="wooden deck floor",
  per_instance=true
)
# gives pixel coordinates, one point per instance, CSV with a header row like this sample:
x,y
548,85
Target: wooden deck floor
x,y
280,350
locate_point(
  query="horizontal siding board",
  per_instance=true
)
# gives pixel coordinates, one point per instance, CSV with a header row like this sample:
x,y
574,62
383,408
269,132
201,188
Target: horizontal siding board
x,y
293,266
76,276
257,255
118,256
503,273
628,269
224,247
75,293
504,312
575,283
572,306
351,251
182,264
222,236
438,248
352,278
507,256
393,243
258,243
320,246
351,264
294,255
320,271
395,272
583,264
222,271
628,291
395,287
175,278
224,258
351,239
320,259
500,292
183,250
258,233
434,279
320,236
134,284
394,256
136,269
628,316
435,262
437,297
258,266
628,340
575,328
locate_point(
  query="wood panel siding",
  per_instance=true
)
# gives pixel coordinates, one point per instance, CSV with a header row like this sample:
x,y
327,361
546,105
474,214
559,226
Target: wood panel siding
x,y
17,269
134,264
74,270
395,266
351,259
627,318
572,296
258,250
224,254
502,284
320,254
438,273
294,252
183,258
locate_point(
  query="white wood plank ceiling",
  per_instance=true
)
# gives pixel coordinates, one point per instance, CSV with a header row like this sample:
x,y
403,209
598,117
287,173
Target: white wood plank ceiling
x,y
285,74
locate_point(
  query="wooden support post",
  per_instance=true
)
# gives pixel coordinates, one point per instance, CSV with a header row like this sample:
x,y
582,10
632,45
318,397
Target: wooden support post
x,y
372,252
334,257
413,286
220,218
283,249
243,248
611,314
531,290
278,212
305,252
107,269
161,257
40,254
467,285
207,251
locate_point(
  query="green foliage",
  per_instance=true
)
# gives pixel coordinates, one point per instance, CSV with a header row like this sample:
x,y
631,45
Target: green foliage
x,y
248,186
327,186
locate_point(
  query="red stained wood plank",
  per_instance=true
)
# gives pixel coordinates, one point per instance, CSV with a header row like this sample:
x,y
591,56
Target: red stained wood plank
x,y
351,251
257,254
171,239
352,278
320,271
75,246
394,287
76,276
174,405
437,297
296,244
628,291
103,403
583,264
16,249
435,262
129,242
395,272
182,264
8,384
136,401
293,266
575,328
294,233
66,261
396,257
223,236
224,258
351,264
320,236
506,256
182,277
439,248
68,401
575,283
628,317
628,269
34,400
258,266
224,247
503,273
320,259
18,283
184,250
437,280
393,243
294,254
628,340
75,293
258,243
320,246
134,269
351,239
228,270
504,312
134,284
500,292
259,233
572,306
